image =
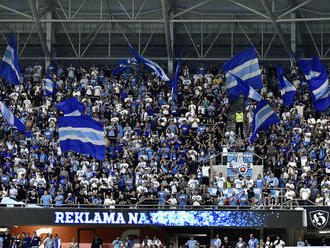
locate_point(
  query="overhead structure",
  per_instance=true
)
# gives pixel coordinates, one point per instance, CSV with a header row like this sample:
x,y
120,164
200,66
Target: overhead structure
x,y
99,31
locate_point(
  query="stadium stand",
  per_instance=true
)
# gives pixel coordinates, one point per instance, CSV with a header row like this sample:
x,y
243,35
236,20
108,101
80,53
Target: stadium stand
x,y
159,151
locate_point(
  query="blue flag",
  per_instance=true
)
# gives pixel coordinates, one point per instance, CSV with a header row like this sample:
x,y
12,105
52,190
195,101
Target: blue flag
x,y
82,134
151,65
244,65
263,118
71,107
50,86
125,64
9,68
13,120
246,89
318,82
288,91
175,84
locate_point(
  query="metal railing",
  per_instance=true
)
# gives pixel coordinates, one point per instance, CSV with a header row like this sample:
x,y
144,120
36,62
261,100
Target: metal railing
x,y
288,204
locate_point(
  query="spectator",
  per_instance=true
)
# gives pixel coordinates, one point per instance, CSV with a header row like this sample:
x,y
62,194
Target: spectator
x,y
58,241
35,240
300,242
278,243
240,243
26,240
49,241
156,242
216,242
268,243
117,243
7,240
307,243
226,243
147,242
253,242
97,242
192,243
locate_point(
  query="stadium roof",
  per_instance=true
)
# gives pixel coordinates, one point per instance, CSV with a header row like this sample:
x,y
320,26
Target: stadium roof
x,y
208,29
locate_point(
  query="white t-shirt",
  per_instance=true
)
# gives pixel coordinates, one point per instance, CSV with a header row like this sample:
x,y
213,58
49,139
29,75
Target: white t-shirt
x,y
305,193
206,171
97,90
279,243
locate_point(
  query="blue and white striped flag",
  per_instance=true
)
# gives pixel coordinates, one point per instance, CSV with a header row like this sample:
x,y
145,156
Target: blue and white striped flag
x,y
10,68
246,89
151,65
244,65
318,80
13,120
175,84
82,134
288,91
264,116
71,107
50,86
125,64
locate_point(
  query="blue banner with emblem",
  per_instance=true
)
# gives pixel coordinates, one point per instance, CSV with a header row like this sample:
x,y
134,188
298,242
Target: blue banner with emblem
x,y
239,163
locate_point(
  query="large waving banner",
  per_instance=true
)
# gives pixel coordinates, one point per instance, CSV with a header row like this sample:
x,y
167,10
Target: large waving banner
x,y
239,164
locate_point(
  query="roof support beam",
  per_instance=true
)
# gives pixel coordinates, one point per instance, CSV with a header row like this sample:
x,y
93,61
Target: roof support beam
x,y
191,8
277,27
139,10
124,9
249,8
77,11
293,9
168,32
247,36
15,11
41,34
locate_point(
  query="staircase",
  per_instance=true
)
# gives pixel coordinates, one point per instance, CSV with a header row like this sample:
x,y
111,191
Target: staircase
x,y
235,105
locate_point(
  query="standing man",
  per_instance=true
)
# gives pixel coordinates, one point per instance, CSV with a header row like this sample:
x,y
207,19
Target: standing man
x,y
240,243
239,118
216,242
97,242
58,241
147,242
253,242
7,240
26,240
35,241
279,243
156,242
192,243
117,243
226,243
49,241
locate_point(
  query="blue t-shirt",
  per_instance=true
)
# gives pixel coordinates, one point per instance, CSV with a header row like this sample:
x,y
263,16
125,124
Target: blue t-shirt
x,y
192,243
35,241
253,243
117,243
46,199
26,242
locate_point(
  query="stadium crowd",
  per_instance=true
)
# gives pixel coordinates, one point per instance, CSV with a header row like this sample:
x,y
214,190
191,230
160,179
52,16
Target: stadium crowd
x,y
160,150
